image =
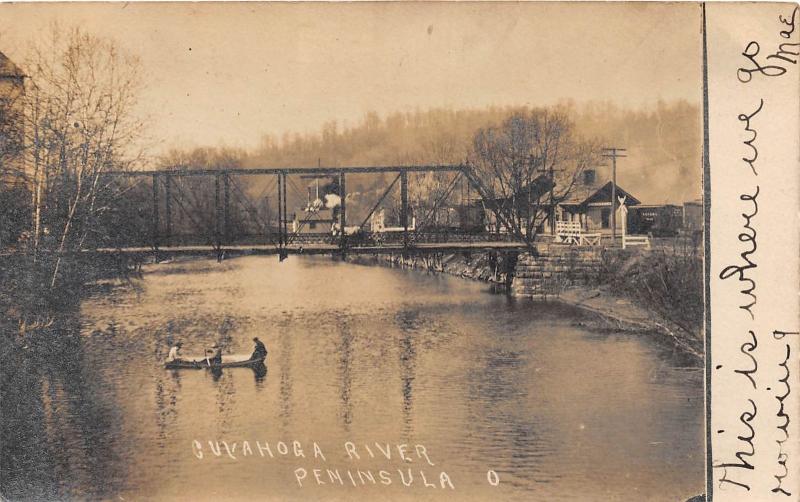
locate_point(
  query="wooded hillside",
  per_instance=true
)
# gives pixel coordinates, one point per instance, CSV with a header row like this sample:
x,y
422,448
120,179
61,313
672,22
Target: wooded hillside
x,y
663,142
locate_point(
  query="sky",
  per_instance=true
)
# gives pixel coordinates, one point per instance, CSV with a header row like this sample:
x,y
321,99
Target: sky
x,y
226,74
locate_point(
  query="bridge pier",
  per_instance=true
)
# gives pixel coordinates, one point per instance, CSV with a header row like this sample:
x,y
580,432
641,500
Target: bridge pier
x,y
555,268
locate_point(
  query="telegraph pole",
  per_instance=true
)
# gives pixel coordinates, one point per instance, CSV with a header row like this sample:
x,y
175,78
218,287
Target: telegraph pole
x,y
168,205
613,153
280,215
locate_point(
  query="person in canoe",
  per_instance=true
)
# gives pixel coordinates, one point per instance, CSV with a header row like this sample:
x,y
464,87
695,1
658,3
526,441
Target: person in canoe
x,y
260,350
214,355
174,353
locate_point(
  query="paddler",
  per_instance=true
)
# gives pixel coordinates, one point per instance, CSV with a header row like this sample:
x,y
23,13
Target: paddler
x,y
216,355
174,352
260,351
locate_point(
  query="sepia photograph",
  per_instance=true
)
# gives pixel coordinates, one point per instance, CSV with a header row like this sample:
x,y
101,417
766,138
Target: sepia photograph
x,y
352,251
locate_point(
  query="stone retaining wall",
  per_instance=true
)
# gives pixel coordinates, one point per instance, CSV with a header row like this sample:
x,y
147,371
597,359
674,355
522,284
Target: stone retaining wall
x,y
557,267
486,267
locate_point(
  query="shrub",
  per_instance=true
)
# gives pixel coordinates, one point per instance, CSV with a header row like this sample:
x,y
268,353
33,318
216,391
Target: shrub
x,y
668,283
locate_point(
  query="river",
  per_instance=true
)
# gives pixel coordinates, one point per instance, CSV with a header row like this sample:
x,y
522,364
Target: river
x,y
356,353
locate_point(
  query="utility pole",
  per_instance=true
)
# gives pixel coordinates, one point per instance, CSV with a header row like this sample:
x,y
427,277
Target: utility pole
x,y
280,215
168,206
404,208
342,212
217,212
155,212
613,153
551,216
285,221
267,215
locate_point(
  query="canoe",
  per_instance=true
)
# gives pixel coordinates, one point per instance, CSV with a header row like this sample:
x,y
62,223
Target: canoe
x,y
200,364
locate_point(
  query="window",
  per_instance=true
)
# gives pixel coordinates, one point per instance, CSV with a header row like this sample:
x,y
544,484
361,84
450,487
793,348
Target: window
x,y
312,225
589,176
605,215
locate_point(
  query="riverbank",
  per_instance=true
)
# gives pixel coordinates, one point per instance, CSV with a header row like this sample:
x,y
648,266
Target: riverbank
x,y
629,292
482,267
34,307
623,314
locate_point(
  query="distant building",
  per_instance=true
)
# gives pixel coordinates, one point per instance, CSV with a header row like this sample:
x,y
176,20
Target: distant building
x,y
378,223
592,207
14,188
12,79
659,220
528,201
693,216
588,202
313,221
12,132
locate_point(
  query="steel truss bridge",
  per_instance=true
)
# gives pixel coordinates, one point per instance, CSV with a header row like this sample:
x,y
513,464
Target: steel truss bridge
x,y
232,222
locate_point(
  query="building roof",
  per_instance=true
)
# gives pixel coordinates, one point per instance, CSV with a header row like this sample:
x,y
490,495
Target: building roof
x,y
8,68
577,195
602,194
537,188
658,206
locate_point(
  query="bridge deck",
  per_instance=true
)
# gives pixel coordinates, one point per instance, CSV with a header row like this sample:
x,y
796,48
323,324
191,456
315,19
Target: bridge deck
x,y
317,249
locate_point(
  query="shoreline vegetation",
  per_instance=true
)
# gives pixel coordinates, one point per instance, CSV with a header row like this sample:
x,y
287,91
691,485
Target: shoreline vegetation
x,y
34,312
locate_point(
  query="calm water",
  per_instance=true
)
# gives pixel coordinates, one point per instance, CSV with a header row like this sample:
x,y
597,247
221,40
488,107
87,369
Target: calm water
x,y
361,354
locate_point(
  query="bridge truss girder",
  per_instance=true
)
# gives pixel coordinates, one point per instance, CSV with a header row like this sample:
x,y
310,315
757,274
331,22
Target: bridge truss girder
x,y
284,246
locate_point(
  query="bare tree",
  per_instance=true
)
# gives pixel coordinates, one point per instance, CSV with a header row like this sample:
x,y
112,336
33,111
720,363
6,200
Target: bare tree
x,y
80,123
528,165
429,191
194,197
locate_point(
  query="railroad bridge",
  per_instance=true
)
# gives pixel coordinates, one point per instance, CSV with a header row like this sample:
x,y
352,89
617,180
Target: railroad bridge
x,y
186,211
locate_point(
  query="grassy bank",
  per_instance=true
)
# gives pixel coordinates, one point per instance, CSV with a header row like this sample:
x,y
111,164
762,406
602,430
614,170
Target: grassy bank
x,y
667,284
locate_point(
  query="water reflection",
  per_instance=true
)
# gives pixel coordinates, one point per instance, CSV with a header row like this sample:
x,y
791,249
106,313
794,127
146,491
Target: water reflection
x,y
407,365
53,408
361,354
286,380
345,350
408,322
260,373
167,389
26,421
225,398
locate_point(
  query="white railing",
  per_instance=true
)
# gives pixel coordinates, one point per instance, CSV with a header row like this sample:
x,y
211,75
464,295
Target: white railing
x,y
571,232
635,240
